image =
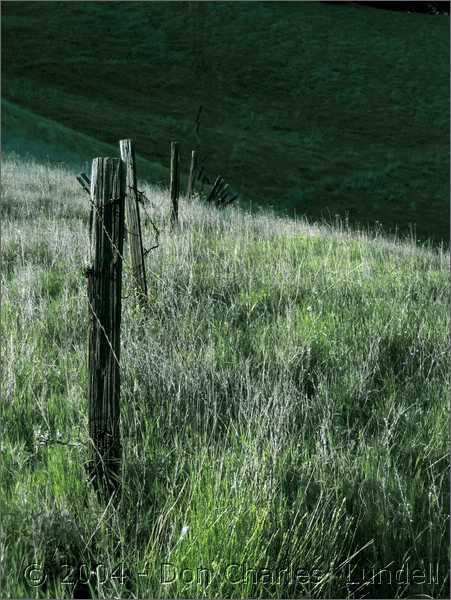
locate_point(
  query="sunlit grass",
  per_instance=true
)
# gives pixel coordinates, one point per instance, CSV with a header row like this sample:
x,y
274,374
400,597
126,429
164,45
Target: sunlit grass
x,y
284,406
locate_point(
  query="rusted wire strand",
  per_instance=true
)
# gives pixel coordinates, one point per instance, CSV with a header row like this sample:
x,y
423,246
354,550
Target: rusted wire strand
x,y
143,199
104,332
113,245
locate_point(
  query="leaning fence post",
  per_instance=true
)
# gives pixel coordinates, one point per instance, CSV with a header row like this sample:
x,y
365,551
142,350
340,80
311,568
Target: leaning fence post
x,y
191,175
175,183
104,296
216,187
133,220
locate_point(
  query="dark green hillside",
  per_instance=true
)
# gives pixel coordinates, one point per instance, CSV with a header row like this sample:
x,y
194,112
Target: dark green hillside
x,y
35,135
307,107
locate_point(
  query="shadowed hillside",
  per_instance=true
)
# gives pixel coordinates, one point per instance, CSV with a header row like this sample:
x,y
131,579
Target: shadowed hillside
x,y
309,108
34,135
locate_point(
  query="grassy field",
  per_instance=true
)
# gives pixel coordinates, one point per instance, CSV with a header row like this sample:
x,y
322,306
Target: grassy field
x,y
308,108
285,408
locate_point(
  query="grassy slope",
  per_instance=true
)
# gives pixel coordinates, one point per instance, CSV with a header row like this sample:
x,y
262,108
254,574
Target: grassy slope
x,y
322,109
286,401
32,135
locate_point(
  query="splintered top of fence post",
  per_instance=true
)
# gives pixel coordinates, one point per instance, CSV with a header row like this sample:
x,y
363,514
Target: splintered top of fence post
x,y
133,220
128,156
106,180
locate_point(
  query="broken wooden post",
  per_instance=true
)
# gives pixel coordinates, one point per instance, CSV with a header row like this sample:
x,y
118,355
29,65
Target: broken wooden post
x,y
230,199
216,186
223,195
219,192
135,242
175,183
104,296
191,175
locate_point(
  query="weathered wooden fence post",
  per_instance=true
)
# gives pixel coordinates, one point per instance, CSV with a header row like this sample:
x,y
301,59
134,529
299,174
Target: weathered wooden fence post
x,y
133,220
175,183
191,175
104,295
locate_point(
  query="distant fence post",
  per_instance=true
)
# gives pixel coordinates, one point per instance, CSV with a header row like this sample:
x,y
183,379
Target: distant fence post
x,y
104,295
217,186
191,175
175,183
133,220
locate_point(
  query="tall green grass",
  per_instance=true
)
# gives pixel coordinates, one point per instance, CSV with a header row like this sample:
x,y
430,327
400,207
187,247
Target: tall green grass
x,y
284,407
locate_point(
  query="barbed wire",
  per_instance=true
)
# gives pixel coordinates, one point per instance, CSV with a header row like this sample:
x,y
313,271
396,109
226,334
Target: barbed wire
x,y
99,214
89,271
221,193
141,197
144,202
95,315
